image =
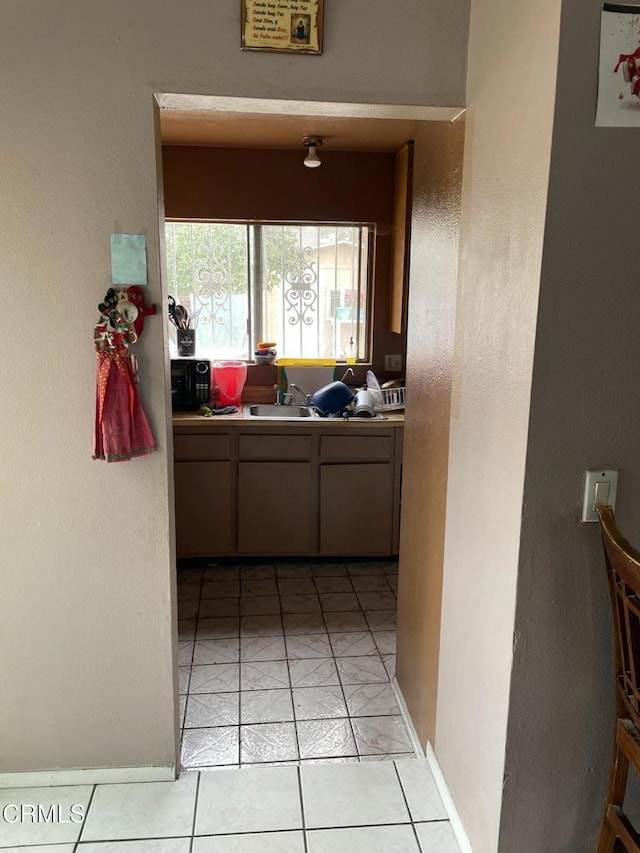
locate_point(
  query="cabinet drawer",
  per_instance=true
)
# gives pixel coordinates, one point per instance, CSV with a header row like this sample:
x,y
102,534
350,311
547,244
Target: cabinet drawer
x,y
356,447
186,447
274,447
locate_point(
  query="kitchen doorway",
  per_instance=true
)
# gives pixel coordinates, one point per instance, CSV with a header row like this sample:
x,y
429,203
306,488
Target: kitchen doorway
x,y
288,707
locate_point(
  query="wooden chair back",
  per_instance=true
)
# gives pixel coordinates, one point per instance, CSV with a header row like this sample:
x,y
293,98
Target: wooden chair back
x,y
623,567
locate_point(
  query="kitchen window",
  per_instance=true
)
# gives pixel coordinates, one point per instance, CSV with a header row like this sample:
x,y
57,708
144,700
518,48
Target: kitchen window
x,y
306,286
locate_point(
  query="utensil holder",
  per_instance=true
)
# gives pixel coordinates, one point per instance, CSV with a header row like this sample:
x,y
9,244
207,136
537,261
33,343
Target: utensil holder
x,y
186,342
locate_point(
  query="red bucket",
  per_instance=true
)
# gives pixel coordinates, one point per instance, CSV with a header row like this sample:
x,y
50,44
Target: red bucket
x,y
229,378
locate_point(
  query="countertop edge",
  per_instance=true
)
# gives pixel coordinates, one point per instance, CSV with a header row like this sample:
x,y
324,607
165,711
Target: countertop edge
x,y
193,420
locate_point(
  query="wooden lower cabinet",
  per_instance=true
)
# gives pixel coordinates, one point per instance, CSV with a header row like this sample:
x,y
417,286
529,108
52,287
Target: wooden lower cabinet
x,y
275,508
205,522
289,491
356,509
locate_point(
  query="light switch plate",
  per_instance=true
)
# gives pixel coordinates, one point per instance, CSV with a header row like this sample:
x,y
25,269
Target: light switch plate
x,y
600,486
393,363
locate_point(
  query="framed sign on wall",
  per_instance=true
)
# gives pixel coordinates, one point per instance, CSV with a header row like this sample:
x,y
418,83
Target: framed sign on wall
x,y
285,26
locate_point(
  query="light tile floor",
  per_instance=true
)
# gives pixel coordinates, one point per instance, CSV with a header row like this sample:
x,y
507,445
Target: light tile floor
x,y
313,808
288,662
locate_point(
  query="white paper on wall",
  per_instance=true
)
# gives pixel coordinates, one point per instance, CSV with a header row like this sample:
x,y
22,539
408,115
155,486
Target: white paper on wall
x,y
619,80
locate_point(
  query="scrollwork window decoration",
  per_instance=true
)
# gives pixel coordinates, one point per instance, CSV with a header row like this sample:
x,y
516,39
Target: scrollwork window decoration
x,y
211,277
301,294
212,290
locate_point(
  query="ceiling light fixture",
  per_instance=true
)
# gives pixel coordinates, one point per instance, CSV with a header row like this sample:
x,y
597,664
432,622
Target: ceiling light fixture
x,y
312,143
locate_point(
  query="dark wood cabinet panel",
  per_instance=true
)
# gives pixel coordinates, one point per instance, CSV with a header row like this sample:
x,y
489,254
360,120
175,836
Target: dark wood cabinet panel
x,y
266,447
275,508
356,447
205,508
186,447
356,509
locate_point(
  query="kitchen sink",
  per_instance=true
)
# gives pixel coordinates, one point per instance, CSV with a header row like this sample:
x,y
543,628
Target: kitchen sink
x,y
266,410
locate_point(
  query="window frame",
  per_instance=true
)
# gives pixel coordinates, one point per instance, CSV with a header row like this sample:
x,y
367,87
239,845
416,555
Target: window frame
x,y
254,291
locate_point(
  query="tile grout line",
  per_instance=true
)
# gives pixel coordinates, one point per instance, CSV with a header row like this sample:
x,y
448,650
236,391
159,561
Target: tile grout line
x,y
344,695
240,691
193,651
260,636
189,694
84,822
406,802
293,704
340,685
195,813
240,668
307,829
302,814
101,841
293,707
299,719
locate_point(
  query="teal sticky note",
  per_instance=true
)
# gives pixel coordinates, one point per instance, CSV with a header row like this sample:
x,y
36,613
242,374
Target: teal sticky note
x,y
128,259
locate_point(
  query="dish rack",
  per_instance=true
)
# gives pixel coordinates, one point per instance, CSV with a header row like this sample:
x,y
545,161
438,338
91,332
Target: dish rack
x,y
389,399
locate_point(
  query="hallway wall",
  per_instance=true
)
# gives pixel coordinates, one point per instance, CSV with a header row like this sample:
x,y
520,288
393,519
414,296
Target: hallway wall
x,y
511,93
437,180
584,414
86,552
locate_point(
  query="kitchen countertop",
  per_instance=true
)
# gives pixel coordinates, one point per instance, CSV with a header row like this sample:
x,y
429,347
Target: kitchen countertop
x,y
193,419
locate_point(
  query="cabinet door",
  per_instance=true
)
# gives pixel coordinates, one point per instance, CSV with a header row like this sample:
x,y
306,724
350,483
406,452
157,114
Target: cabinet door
x,y
356,509
204,509
275,508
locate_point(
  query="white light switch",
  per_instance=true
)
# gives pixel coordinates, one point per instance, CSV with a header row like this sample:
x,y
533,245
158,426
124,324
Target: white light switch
x,y
600,489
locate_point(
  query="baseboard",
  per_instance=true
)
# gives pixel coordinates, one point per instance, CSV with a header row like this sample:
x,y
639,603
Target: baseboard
x,y
413,734
443,789
91,776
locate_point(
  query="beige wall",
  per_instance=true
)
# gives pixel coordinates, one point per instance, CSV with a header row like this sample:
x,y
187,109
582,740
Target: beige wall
x,y
511,83
85,613
584,414
432,306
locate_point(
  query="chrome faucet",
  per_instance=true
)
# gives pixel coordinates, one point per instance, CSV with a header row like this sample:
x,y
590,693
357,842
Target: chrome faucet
x,y
348,371
296,389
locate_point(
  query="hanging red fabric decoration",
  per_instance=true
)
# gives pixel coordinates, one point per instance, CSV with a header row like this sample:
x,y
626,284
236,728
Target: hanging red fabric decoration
x,y
122,430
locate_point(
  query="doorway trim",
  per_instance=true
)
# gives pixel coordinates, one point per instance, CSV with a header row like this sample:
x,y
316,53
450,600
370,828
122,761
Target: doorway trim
x,y
275,106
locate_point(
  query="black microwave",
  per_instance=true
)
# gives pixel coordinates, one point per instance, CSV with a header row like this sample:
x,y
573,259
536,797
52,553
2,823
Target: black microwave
x,y
190,382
